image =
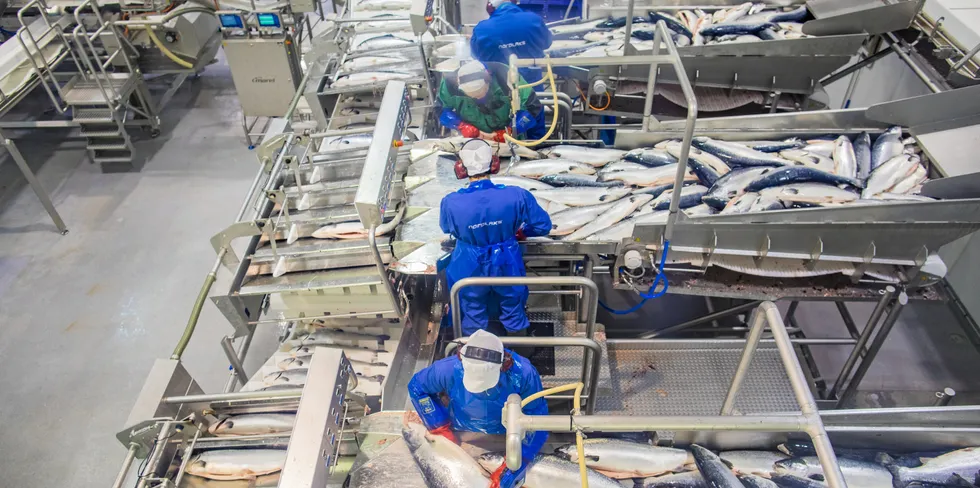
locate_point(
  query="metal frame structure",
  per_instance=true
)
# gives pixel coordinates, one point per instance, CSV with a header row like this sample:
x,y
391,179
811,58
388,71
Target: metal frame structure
x,y
808,421
172,404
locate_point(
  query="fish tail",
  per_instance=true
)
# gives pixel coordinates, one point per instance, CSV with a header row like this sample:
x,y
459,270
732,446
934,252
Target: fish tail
x,y
897,475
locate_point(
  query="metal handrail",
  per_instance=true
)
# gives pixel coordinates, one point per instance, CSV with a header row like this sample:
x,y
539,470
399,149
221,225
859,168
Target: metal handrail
x,y
87,38
590,377
47,71
673,59
586,284
807,421
577,281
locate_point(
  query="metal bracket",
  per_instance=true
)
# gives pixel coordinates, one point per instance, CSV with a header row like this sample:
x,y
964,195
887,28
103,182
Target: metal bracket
x,y
711,250
734,84
811,263
764,248
266,152
869,256
222,240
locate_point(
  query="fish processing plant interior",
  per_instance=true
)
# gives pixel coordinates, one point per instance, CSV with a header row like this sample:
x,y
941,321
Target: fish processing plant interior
x,y
704,186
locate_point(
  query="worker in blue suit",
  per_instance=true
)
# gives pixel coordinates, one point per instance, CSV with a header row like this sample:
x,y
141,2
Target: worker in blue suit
x,y
478,380
510,30
487,220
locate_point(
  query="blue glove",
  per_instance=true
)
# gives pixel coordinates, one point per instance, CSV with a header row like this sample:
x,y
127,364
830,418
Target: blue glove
x,y
513,479
524,122
449,119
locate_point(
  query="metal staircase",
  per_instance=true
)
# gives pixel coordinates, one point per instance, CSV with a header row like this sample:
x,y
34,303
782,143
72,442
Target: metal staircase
x,y
108,93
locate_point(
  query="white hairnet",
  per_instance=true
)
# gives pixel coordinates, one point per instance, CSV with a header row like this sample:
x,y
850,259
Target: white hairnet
x,y
473,79
476,156
480,376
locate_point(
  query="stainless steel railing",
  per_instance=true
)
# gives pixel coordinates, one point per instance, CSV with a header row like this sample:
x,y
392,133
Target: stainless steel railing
x,y
672,59
807,421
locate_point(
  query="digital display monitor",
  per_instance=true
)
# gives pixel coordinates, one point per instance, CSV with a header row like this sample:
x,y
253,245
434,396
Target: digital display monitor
x,y
267,19
231,21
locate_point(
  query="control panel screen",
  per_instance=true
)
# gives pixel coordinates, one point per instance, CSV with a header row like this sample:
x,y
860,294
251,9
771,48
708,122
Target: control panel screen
x,y
231,21
268,19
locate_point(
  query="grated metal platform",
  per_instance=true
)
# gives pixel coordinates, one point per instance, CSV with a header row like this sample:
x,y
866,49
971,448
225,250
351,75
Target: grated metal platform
x,y
568,360
692,377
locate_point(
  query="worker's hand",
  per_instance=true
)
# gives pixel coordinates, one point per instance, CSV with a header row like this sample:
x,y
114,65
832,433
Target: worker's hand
x,y
523,122
505,478
468,130
498,136
520,234
445,431
449,119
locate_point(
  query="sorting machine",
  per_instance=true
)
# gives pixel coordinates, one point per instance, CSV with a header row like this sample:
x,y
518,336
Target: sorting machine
x,y
740,388
776,75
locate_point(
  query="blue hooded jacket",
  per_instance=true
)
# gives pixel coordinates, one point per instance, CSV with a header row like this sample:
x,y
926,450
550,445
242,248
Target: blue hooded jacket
x,y
477,412
510,30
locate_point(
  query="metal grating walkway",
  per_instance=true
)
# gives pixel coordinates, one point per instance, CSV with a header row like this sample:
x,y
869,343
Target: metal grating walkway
x,y
568,360
691,377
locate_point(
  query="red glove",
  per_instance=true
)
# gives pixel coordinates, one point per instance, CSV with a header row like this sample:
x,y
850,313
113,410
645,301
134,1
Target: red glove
x,y
498,136
468,130
520,234
495,477
446,432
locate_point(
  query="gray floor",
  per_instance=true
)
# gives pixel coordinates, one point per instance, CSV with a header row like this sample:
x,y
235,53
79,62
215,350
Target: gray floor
x,y
83,316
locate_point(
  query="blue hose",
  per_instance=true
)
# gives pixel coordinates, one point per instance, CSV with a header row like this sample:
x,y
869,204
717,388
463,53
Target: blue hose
x,y
661,277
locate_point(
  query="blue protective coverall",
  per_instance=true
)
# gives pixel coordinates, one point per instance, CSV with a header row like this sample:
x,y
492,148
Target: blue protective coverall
x,y
484,218
510,30
477,412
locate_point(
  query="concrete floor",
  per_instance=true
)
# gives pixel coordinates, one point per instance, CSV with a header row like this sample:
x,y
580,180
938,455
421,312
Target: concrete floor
x,y
83,316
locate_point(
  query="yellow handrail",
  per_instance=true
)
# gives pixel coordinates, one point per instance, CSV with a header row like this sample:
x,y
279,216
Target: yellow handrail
x,y
579,446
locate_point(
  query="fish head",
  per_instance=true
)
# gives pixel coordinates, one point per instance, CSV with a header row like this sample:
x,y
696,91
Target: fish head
x,y
490,461
702,453
224,425
415,436
568,452
197,465
794,466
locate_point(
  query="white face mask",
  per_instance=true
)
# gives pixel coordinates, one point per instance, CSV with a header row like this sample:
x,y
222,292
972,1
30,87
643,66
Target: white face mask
x,y
479,376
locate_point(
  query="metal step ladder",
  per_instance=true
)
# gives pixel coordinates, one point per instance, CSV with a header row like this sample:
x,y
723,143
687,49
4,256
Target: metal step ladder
x,y
108,93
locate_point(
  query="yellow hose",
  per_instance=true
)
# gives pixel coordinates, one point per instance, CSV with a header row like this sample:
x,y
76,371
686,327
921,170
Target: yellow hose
x,y
166,52
577,399
554,113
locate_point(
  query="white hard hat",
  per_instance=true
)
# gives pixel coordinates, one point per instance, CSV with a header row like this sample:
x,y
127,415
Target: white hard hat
x,y
482,357
473,79
476,155
497,3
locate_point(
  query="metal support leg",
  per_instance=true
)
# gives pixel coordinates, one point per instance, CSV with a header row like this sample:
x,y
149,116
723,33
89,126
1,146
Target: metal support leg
x,y
35,185
873,350
791,311
943,398
242,352
583,303
127,463
866,334
757,325
845,315
236,363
